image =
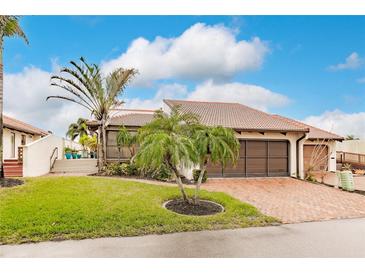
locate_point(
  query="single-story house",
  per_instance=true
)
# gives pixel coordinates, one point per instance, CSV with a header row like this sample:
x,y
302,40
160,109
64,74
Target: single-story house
x,y
271,145
16,134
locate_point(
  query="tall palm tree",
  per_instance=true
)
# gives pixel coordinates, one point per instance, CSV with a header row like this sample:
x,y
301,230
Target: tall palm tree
x,y
85,85
167,141
215,145
9,27
77,129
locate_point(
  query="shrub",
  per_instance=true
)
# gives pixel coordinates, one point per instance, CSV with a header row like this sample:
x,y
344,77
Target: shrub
x,y
359,172
347,166
114,169
196,173
162,173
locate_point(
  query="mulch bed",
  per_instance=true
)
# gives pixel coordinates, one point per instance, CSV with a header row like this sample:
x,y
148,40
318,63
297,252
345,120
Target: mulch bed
x,y
201,209
9,182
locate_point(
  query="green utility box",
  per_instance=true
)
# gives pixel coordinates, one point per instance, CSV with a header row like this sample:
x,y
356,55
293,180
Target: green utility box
x,y
347,180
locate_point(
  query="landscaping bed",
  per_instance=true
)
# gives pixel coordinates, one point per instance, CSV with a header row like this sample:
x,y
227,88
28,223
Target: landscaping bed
x,y
199,209
10,182
59,208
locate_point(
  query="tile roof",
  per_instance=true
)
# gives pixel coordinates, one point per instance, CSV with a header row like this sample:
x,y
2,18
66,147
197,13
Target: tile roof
x,y
132,119
236,116
15,124
314,132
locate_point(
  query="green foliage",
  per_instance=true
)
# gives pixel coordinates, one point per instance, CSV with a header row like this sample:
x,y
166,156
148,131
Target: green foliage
x,y
90,142
50,208
166,141
9,27
126,139
68,150
121,169
78,129
86,86
347,166
162,173
196,174
216,144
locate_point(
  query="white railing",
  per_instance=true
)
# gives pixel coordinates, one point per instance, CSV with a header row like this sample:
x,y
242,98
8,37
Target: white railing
x,y
36,155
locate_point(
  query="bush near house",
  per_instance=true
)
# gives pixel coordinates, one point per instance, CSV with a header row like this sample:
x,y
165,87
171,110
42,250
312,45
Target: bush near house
x,y
59,208
131,169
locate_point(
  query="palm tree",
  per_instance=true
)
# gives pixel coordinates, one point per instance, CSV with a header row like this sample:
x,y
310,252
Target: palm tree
x,y
9,27
86,86
351,137
126,139
167,141
77,129
215,145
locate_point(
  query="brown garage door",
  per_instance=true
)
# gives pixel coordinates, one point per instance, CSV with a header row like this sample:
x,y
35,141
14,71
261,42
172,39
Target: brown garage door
x,y
315,155
257,159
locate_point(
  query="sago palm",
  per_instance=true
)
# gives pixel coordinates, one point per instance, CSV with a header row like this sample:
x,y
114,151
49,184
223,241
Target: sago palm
x,y
86,86
167,141
77,129
217,145
9,27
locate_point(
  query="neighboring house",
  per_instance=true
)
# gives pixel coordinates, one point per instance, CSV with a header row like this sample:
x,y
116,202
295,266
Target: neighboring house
x,y
16,134
271,145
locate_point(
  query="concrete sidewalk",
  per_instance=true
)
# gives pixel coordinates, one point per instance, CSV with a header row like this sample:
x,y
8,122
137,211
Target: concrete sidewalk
x,y
338,238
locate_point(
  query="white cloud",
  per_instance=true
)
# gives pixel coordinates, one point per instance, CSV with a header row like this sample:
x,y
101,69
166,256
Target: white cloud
x,y
251,95
340,122
353,61
361,80
164,92
25,99
201,52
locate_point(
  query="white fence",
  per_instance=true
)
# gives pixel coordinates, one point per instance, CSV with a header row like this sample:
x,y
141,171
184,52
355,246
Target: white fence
x,y
37,155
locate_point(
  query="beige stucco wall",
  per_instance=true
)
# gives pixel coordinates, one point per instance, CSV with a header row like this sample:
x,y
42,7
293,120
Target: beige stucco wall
x,y
7,147
353,146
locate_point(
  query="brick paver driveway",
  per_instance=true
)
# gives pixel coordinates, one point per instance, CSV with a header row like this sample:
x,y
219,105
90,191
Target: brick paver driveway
x,y
291,200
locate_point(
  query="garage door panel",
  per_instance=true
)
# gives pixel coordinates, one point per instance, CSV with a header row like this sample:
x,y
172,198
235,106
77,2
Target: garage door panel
x,y
311,152
236,170
256,167
278,166
258,158
278,149
256,149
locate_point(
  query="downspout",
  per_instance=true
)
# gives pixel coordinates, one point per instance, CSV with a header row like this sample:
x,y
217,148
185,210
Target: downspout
x,y
297,146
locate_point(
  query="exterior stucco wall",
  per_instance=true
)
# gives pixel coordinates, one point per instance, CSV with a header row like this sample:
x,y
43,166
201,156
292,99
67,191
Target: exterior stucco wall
x,y
352,146
36,155
7,146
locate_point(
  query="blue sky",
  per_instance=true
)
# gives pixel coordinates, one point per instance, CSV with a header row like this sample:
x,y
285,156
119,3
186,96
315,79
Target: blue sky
x,y
301,63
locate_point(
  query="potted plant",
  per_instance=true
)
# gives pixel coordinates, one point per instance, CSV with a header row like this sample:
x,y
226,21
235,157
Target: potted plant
x,y
74,154
68,153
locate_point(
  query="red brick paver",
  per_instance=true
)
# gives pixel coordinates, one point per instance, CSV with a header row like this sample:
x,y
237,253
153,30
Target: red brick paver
x,y
291,200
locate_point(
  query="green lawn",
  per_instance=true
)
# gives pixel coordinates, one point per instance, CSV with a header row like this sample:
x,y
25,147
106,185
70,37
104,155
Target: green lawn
x,y
54,208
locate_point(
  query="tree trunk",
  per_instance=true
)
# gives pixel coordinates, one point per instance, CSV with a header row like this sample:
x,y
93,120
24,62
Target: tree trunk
x,y
181,187
198,184
1,108
179,183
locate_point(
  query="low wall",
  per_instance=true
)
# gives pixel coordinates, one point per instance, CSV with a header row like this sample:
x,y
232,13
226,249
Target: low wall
x,y
36,155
